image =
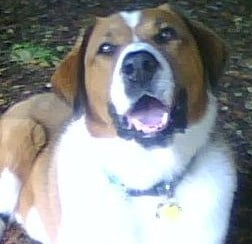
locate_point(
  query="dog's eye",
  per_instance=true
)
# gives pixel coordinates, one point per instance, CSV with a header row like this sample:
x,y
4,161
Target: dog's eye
x,y
165,35
107,49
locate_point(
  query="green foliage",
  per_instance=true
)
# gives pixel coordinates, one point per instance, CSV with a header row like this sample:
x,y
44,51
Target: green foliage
x,y
30,53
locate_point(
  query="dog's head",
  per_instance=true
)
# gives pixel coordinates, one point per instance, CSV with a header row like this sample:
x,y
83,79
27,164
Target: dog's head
x,y
142,75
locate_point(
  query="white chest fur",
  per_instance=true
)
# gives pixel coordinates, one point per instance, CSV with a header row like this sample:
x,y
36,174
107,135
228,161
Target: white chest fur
x,y
100,212
96,211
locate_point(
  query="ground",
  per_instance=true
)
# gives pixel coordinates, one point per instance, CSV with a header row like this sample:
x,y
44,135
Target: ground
x,y
35,35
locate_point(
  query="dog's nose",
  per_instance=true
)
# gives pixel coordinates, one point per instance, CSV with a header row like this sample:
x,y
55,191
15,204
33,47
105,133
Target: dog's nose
x,y
139,67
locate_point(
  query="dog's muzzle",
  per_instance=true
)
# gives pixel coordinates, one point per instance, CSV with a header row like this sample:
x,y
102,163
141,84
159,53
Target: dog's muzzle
x,y
144,98
148,114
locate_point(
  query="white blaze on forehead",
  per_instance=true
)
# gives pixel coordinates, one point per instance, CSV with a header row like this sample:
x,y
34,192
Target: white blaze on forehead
x,y
9,191
131,19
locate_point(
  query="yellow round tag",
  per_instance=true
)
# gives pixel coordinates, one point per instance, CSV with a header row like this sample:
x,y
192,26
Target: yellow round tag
x,y
169,211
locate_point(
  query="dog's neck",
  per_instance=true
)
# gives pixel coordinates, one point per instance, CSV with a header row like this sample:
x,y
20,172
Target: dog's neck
x,y
164,188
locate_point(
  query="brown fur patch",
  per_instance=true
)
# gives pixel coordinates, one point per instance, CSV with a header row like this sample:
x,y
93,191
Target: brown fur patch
x,y
99,70
27,132
212,49
64,79
21,141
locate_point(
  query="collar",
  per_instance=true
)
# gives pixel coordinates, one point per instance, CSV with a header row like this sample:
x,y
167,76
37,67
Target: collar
x,y
163,188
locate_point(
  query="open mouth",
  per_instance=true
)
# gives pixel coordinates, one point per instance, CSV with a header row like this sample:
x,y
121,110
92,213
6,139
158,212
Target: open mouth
x,y
151,122
148,115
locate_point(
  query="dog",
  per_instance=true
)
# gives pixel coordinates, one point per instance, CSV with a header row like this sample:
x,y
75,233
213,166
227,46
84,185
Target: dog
x,y
138,163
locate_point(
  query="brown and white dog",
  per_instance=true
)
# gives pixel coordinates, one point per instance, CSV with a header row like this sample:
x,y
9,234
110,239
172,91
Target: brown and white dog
x,y
138,163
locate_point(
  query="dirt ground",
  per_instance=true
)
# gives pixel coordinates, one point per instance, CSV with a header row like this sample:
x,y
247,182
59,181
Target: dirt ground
x,y
55,24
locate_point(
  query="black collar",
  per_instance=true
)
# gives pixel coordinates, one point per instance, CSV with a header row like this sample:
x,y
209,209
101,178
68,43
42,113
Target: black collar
x,y
162,188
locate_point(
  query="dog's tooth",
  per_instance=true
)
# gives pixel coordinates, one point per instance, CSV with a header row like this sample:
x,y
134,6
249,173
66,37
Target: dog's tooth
x,y
165,118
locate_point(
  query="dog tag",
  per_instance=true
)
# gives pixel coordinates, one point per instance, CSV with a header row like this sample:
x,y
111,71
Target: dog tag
x,y
169,211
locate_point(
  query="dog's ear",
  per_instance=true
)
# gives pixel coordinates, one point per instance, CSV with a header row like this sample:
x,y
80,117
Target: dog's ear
x,y
212,50
68,80
164,6
65,78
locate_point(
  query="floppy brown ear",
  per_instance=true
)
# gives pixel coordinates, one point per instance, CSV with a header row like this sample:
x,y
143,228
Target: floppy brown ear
x,y
69,77
164,6
212,49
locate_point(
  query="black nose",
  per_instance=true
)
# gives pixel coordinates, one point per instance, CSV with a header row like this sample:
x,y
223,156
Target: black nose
x,y
139,67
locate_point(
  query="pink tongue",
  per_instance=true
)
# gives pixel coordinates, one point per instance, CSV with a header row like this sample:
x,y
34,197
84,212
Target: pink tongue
x,y
149,115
